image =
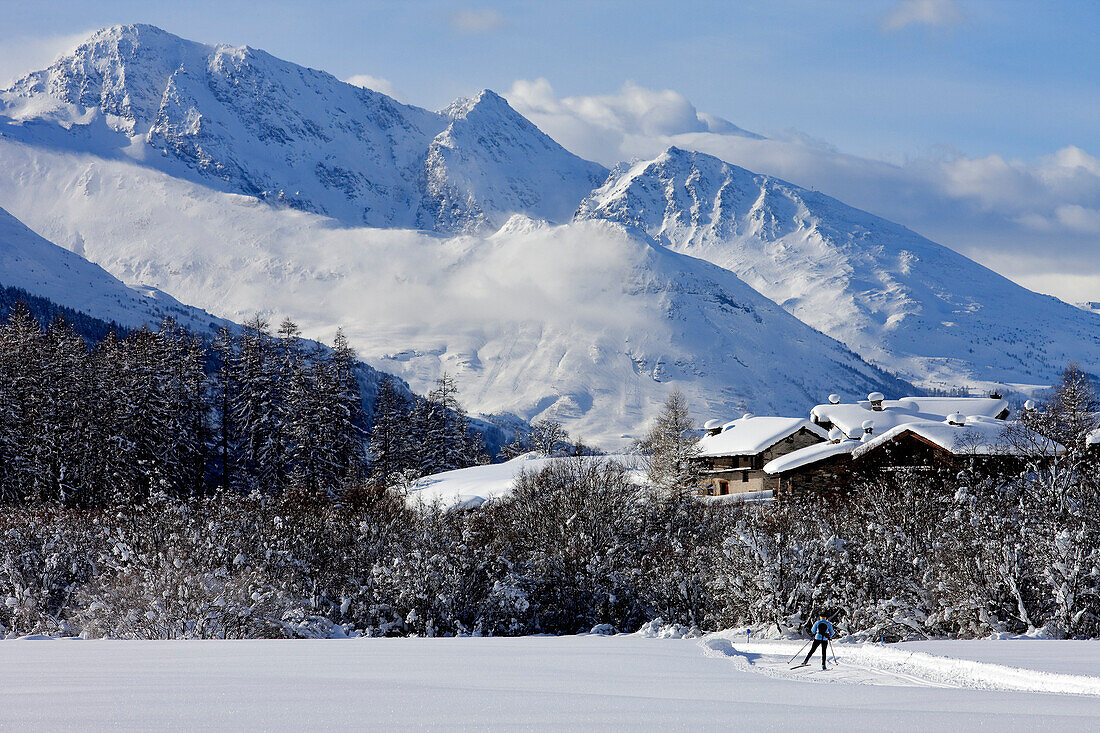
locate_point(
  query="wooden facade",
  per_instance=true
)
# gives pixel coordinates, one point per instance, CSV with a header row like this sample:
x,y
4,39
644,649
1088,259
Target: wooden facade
x,y
909,451
830,475
740,474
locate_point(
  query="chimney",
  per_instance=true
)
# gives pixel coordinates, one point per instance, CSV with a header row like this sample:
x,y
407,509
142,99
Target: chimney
x,y
834,399
1029,405
836,435
747,416
956,419
868,427
713,427
876,398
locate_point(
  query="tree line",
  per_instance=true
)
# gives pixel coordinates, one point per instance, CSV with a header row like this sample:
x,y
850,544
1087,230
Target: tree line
x,y
165,412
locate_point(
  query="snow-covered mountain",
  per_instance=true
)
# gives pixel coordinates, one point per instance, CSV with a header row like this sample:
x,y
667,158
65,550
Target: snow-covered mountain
x,y
243,120
453,241
29,262
896,298
586,321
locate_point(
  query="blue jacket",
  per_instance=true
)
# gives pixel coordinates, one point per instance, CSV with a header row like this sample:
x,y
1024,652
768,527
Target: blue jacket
x,y
822,630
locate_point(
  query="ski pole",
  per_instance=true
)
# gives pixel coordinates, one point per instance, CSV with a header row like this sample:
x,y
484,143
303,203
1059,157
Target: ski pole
x,y
800,651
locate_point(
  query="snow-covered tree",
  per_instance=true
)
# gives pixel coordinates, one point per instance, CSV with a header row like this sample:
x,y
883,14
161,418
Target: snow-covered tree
x,y
22,348
671,446
256,412
391,439
548,436
1071,410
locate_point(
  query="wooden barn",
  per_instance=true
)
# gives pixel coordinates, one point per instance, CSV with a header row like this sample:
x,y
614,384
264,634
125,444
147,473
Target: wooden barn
x,y
922,444
733,454
821,467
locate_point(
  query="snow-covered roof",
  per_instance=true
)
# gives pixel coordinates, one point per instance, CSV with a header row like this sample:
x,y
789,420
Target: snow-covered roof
x,y
750,435
809,455
979,436
850,416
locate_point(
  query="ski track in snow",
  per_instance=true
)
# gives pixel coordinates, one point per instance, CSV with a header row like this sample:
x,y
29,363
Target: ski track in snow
x,y
871,664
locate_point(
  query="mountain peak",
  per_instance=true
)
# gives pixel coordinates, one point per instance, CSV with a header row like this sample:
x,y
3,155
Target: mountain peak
x,y
507,163
130,30
484,102
127,43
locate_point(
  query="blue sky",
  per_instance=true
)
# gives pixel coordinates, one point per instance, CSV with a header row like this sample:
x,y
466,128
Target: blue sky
x,y
972,121
1008,77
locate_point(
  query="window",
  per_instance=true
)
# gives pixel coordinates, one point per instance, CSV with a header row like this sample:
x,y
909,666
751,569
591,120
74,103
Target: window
x,y
723,487
744,477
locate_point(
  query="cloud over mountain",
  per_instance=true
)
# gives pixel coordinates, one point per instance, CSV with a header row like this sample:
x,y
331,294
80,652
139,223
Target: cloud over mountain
x,y
1032,220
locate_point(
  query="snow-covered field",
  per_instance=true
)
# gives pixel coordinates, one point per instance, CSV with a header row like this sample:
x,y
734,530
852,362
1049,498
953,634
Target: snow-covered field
x,y
532,683
1070,657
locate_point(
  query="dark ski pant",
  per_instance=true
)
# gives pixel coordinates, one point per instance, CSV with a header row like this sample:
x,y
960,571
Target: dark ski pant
x,y
824,645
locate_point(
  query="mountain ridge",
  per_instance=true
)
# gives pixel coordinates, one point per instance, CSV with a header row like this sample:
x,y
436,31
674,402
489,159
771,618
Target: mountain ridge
x,y
899,299
254,124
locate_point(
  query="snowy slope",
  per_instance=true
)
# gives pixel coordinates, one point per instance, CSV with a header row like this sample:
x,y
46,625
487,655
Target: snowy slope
x,y
466,488
584,322
40,267
894,297
243,120
907,664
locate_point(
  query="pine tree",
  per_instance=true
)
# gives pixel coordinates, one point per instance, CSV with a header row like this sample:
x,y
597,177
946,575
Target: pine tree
x,y
224,396
671,447
442,429
63,433
428,427
306,429
255,412
348,432
327,425
391,437
186,431
21,353
109,403
1070,410
288,377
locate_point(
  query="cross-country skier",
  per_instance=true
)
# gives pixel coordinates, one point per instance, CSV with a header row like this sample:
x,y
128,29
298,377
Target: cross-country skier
x,y
822,631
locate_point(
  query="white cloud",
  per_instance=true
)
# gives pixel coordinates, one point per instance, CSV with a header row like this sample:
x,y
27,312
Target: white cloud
x,y
476,20
1030,220
1070,217
922,12
612,127
376,83
19,56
